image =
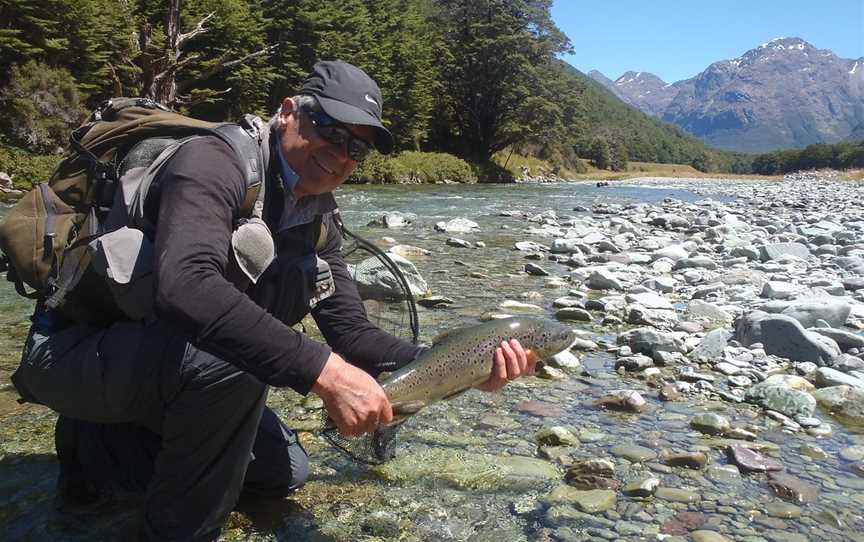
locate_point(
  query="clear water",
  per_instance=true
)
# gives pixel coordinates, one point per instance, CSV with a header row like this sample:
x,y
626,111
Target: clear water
x,y
346,501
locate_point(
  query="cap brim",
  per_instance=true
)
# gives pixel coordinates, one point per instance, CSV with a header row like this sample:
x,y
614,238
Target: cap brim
x,y
348,114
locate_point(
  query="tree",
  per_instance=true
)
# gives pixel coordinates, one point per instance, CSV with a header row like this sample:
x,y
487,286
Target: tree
x,y
600,154
495,57
38,107
618,156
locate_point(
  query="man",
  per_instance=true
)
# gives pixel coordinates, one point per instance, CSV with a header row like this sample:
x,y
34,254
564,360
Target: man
x,y
176,403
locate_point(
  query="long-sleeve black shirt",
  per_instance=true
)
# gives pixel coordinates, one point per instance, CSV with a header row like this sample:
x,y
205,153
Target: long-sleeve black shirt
x,y
200,195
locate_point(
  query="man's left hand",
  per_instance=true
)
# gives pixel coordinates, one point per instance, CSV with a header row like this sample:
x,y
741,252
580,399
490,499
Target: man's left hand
x,y
510,362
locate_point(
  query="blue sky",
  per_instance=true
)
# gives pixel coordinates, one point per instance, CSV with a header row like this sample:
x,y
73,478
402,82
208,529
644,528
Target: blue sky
x,y
677,39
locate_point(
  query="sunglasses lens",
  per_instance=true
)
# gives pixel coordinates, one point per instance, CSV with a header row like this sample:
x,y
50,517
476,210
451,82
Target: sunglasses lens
x,y
330,129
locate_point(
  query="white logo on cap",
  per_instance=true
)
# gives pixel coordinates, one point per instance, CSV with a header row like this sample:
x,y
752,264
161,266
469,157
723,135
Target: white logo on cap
x,y
370,99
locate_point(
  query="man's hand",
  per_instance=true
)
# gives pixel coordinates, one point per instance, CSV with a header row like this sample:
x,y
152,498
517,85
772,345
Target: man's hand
x,y
510,362
354,400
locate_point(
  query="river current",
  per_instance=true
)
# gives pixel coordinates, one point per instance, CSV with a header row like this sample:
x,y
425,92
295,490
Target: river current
x,y
471,469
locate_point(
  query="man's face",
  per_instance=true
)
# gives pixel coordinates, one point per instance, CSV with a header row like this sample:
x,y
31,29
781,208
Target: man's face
x,y
321,165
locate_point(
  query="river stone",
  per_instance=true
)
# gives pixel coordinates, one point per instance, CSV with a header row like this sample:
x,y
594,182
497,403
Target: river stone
x,y
676,494
775,289
591,501
793,382
649,300
826,377
843,401
573,314
710,423
751,460
466,470
634,453
456,242
810,311
643,487
660,284
568,302
783,336
407,251
712,345
724,474
780,509
535,270
638,362
541,409
689,460
846,340
776,250
847,363
673,252
708,311
518,306
681,524
530,246
852,453
457,225
696,262
396,220
647,341
555,436
786,401
851,264
790,488
601,279
564,360
375,281
708,536
626,400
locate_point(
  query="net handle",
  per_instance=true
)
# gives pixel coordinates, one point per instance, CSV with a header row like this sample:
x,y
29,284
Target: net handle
x,y
413,320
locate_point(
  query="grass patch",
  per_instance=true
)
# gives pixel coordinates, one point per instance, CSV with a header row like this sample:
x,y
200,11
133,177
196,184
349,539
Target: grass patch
x,y
651,169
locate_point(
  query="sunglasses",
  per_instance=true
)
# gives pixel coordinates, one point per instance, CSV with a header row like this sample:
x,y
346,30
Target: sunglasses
x,y
333,131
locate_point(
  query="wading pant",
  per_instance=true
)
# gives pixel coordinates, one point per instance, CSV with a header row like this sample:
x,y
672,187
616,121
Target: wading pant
x,y
142,408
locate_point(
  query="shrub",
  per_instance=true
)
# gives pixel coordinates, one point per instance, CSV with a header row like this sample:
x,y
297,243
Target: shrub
x,y
26,169
39,107
413,167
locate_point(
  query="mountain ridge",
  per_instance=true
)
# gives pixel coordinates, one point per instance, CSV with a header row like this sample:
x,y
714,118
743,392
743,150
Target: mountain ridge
x,y
785,93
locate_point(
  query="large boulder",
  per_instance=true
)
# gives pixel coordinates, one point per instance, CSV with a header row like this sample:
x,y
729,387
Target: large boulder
x,y
810,311
712,345
783,336
776,250
648,341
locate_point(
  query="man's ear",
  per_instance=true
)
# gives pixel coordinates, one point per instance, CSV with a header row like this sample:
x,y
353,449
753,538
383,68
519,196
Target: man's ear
x,y
287,109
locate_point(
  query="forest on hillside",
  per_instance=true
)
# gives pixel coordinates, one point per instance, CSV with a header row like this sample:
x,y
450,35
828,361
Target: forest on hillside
x,y
466,78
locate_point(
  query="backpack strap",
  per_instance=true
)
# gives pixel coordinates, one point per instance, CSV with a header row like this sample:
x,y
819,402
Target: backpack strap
x,y
245,139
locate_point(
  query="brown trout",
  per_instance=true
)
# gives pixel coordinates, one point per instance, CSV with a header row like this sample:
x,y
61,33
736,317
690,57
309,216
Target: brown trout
x,y
457,361
463,358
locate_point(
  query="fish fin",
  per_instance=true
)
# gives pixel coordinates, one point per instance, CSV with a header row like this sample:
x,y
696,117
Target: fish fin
x,y
407,408
443,335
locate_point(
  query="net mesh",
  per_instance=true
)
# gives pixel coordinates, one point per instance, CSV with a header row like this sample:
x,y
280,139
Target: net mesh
x,y
389,304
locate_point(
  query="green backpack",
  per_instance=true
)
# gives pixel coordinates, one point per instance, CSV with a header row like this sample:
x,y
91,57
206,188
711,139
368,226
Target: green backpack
x,y
47,237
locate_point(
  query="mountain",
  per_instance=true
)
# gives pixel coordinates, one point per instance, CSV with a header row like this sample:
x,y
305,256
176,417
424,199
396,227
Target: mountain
x,y
603,114
782,94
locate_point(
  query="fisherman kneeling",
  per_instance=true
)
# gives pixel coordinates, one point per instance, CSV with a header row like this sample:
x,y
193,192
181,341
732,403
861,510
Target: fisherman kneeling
x,y
173,403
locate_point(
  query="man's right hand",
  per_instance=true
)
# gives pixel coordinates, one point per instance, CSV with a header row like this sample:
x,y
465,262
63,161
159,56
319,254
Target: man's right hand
x,y
354,400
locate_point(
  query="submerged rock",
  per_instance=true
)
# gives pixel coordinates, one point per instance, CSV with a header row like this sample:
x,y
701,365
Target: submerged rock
x,y
790,488
466,470
751,460
784,400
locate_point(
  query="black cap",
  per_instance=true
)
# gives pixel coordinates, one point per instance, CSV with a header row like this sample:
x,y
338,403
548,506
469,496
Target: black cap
x,y
350,96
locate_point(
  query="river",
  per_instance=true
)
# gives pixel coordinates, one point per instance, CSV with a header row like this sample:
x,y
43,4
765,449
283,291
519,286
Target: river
x,y
471,469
